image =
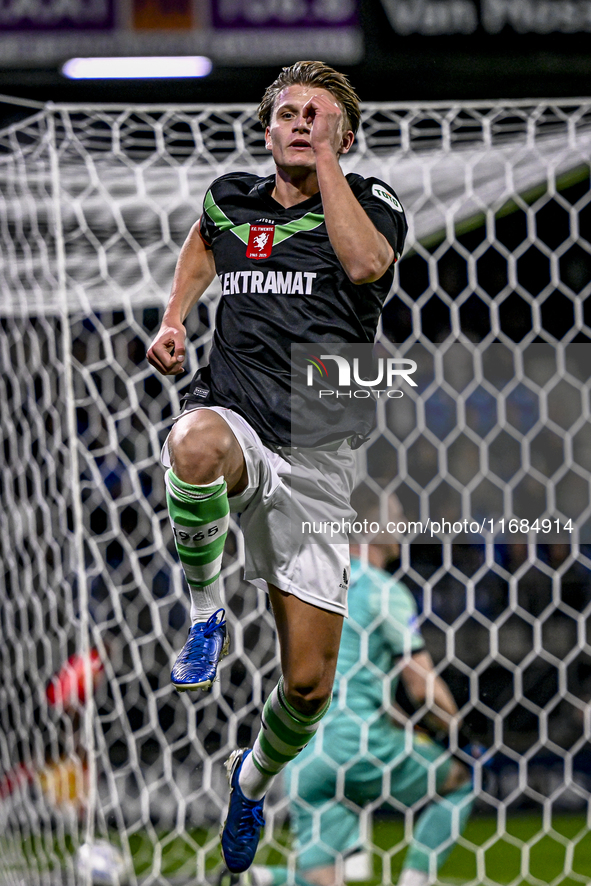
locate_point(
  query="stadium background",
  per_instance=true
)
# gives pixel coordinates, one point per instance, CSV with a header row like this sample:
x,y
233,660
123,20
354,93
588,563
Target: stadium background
x,y
517,617
395,50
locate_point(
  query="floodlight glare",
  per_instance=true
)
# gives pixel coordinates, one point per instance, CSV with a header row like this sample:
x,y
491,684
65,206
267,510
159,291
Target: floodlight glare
x,y
136,67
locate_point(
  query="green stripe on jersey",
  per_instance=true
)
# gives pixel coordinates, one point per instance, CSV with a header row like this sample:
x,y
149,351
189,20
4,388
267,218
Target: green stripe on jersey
x,y
307,222
217,215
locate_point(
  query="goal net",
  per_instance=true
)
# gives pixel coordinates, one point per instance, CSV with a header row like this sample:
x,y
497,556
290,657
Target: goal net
x,y
488,455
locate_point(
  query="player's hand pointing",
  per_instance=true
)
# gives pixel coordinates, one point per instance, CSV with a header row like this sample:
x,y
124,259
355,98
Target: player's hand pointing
x,y
167,351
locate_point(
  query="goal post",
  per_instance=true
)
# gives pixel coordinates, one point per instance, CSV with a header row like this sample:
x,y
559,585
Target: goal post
x,y
490,301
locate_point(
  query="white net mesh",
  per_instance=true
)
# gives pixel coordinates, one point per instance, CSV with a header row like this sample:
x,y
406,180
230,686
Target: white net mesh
x,y
94,206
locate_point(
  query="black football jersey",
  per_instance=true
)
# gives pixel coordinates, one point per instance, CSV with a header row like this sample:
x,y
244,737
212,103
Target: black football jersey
x,y
283,284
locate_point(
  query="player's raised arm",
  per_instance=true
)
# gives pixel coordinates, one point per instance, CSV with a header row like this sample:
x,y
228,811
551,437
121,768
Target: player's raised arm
x,y
194,272
362,250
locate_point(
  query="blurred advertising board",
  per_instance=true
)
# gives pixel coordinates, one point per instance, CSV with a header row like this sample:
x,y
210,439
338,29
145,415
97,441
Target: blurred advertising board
x,y
231,32
440,17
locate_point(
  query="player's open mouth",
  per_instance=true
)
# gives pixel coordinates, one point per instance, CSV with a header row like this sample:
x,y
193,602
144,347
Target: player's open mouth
x,y
299,143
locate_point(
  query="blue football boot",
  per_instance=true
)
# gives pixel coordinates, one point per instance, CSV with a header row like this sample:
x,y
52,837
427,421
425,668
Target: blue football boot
x,y
196,666
242,829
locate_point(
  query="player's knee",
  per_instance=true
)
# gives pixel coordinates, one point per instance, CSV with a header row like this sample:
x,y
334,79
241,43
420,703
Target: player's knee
x,y
308,696
199,446
458,776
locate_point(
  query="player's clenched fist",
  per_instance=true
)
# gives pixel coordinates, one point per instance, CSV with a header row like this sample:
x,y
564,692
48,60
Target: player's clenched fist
x,y
167,351
326,119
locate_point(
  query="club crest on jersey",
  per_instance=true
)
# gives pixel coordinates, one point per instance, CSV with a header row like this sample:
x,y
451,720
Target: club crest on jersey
x,y
260,241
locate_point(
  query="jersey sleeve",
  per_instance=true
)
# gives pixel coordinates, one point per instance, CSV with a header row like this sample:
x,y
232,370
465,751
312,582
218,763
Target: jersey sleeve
x,y
384,209
399,623
207,223
221,193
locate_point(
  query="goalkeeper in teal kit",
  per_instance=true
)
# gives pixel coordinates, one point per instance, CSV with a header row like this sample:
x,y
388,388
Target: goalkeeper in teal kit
x,y
361,750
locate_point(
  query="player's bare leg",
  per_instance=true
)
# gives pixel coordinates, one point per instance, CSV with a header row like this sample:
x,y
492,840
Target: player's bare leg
x,y
206,463
309,642
203,447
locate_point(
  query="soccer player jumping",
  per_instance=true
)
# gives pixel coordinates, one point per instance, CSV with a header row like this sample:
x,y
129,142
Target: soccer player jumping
x,y
304,255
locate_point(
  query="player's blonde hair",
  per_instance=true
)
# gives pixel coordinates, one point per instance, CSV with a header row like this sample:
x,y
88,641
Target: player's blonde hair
x,y
313,73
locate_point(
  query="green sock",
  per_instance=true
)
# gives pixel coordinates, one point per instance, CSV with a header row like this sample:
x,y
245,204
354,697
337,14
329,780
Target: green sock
x,y
283,734
439,827
287,732
199,516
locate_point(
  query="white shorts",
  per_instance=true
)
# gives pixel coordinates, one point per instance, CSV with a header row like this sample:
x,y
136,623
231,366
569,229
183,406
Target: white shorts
x,y
285,486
